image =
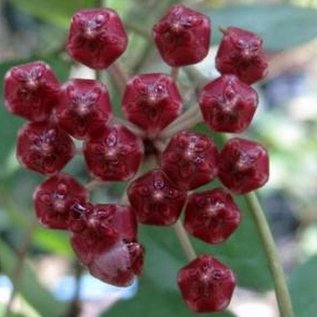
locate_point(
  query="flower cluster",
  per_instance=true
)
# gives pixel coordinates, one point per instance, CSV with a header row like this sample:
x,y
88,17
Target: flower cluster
x,y
104,236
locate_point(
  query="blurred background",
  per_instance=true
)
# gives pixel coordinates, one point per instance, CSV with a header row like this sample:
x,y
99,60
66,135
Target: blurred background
x,y
39,274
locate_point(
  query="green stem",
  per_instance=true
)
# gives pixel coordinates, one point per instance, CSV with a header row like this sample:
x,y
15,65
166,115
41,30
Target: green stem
x,y
184,241
119,76
174,73
138,30
100,3
144,56
93,184
99,75
275,266
188,119
132,127
18,269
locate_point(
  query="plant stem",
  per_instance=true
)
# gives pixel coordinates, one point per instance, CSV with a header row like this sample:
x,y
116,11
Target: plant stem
x,y
100,3
174,73
148,164
279,280
75,305
143,57
93,184
132,127
138,30
119,76
79,151
18,269
99,75
184,241
188,119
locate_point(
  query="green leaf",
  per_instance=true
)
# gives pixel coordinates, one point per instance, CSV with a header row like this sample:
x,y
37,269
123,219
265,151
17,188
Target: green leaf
x,y
58,12
154,302
54,241
10,211
303,288
282,26
29,287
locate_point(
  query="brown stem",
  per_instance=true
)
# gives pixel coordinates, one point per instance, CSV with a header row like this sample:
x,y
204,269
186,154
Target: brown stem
x,y
75,305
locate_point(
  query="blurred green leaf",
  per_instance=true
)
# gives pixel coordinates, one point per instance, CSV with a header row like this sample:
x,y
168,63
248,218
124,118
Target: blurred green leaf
x,y
11,212
282,26
29,287
54,241
3,309
152,301
303,288
54,11
120,6
139,11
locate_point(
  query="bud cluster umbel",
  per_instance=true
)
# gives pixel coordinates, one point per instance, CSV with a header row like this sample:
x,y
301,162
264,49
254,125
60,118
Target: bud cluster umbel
x,y
104,236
